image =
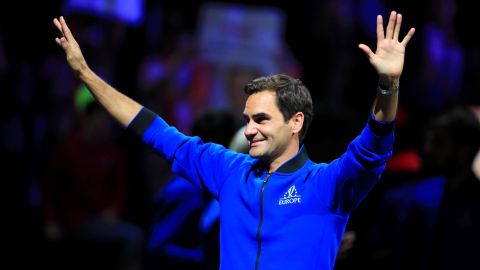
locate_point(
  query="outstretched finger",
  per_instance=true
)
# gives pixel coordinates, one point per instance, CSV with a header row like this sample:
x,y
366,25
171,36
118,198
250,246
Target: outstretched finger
x,y
396,34
366,50
409,36
380,32
391,25
56,22
66,31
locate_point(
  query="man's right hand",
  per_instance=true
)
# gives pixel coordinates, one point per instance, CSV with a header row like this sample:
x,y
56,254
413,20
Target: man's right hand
x,y
70,46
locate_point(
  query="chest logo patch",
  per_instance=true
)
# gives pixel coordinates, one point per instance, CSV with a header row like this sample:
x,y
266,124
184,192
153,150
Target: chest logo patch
x,y
290,197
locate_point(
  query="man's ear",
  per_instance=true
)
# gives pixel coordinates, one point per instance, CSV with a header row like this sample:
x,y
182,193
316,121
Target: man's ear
x,y
296,122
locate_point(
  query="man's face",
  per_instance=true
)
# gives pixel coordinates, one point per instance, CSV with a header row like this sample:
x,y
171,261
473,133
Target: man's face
x,y
269,135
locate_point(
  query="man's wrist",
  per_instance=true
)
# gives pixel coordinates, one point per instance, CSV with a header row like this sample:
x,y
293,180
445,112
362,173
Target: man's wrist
x,y
386,82
387,91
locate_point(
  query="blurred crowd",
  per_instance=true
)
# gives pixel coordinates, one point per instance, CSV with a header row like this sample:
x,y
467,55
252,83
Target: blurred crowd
x,y
80,196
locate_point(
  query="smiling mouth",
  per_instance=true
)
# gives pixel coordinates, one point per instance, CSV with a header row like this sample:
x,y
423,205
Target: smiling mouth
x,y
255,143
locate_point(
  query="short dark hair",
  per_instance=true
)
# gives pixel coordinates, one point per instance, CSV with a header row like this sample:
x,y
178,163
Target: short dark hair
x,y
292,96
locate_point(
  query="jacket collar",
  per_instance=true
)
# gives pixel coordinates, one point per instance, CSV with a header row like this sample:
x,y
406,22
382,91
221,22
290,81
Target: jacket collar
x,y
294,163
290,166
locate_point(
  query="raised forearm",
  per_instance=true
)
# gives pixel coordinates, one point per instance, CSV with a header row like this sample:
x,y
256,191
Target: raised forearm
x,y
121,107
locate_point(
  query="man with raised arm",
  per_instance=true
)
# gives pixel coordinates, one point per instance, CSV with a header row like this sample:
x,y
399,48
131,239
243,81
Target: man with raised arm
x,y
278,209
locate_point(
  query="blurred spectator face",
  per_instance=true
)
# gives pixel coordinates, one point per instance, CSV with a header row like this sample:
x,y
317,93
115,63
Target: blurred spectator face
x,y
476,162
438,151
451,143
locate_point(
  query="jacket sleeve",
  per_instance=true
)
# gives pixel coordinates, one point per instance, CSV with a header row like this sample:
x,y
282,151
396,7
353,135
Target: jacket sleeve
x,y
345,182
205,165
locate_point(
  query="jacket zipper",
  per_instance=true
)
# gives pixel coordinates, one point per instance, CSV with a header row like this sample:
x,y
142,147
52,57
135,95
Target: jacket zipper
x,y
259,248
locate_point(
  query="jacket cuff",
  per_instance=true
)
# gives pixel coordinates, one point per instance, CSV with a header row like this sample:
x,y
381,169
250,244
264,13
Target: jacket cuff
x,y
141,121
380,128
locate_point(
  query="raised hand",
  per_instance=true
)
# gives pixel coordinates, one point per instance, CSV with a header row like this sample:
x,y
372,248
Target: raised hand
x,y
70,46
389,56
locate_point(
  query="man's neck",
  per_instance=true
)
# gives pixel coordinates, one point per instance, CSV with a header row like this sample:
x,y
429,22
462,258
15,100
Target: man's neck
x,y
288,154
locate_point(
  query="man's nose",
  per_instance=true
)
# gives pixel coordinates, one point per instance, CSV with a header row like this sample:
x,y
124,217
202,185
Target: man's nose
x,y
250,130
